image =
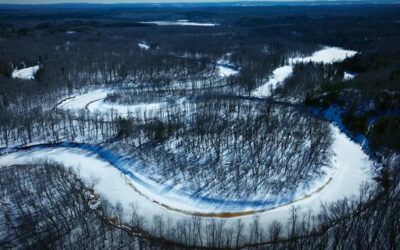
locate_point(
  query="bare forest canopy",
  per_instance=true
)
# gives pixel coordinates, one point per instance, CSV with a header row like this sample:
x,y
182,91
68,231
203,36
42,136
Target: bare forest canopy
x,y
180,83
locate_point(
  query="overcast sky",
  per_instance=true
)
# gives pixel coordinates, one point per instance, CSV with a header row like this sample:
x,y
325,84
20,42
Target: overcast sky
x,y
142,1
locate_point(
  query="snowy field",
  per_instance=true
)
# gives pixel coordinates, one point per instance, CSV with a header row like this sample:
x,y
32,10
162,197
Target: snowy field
x,y
26,73
279,75
115,179
180,23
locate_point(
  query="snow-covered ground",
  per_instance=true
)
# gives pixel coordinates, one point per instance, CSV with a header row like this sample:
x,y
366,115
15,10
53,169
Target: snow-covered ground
x,y
326,55
26,73
180,22
118,179
144,46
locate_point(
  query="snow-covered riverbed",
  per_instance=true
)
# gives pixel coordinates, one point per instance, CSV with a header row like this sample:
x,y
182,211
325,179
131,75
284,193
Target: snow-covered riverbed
x,y
350,167
94,101
279,75
117,179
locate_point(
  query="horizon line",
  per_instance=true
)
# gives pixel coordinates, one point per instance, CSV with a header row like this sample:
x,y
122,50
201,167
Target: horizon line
x,y
255,2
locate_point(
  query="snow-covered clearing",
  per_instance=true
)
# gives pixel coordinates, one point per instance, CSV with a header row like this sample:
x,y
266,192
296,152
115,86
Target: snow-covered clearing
x,y
26,73
117,179
326,55
144,46
181,23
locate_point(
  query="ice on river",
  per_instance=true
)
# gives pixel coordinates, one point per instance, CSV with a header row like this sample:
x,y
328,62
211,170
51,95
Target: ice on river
x,y
279,75
94,101
122,182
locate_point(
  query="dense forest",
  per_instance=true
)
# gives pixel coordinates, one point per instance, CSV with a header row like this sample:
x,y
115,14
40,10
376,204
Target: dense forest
x,y
167,93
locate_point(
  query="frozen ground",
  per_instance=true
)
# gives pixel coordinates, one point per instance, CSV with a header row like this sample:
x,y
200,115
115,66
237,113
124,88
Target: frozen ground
x,y
116,179
180,22
279,75
26,73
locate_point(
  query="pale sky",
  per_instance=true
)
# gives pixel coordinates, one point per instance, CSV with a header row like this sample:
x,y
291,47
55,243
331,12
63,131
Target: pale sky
x,y
154,1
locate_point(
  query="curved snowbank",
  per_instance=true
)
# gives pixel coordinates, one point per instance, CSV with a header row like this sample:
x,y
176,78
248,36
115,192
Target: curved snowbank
x,y
279,75
117,179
